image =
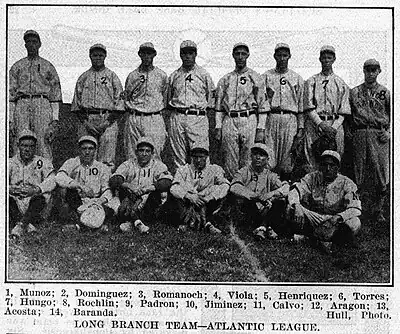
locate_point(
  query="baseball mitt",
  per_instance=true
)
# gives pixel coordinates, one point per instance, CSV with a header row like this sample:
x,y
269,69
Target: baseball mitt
x,y
326,230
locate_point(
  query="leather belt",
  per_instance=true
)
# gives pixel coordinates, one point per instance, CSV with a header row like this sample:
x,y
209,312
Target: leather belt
x,y
281,111
328,117
139,113
30,96
372,127
246,113
188,111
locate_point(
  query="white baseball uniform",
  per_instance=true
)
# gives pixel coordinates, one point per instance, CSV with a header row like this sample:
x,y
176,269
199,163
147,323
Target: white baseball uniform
x,y
285,95
329,97
97,95
239,98
146,96
38,172
35,90
190,94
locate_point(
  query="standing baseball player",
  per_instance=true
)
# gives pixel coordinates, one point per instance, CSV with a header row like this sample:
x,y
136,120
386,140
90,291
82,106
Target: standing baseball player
x,y
98,103
198,189
241,110
260,194
326,102
370,104
31,180
146,90
190,94
85,184
34,97
284,90
325,205
141,184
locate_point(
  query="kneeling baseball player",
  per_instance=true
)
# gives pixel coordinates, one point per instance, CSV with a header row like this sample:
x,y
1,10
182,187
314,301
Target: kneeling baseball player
x,y
140,186
85,191
260,194
197,192
31,180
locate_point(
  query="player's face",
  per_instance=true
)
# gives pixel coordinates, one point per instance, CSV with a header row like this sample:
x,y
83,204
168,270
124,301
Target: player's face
x,y
97,57
371,74
258,159
188,57
27,149
32,45
144,154
240,56
147,57
87,152
329,168
282,57
327,59
199,160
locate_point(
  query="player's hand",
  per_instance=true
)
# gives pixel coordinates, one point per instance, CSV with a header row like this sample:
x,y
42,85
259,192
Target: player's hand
x,y
327,130
298,214
102,127
218,134
15,190
384,136
30,190
86,191
52,131
195,199
264,197
100,201
335,220
137,191
206,198
260,136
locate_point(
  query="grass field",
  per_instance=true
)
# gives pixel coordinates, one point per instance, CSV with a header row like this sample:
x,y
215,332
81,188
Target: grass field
x,y
168,255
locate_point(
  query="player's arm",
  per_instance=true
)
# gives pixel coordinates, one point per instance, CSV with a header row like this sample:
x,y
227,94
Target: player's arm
x,y
238,187
219,111
179,188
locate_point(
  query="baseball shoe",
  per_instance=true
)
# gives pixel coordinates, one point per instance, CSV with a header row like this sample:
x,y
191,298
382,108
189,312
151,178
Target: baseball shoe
x,y
31,229
212,229
271,234
17,231
260,233
142,228
299,238
104,228
70,228
126,227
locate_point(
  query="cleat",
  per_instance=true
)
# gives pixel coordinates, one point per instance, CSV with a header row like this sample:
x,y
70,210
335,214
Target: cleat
x,y
31,228
126,227
212,229
259,233
271,234
142,228
17,231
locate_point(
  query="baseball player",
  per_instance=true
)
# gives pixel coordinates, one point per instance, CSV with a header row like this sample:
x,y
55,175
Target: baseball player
x,y
85,183
284,90
190,95
370,104
146,90
98,103
141,184
324,205
198,189
34,97
326,102
261,194
240,112
31,180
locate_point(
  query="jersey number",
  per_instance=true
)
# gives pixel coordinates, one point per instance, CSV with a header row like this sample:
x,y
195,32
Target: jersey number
x,y
282,81
381,95
254,178
198,175
142,78
324,83
103,80
93,171
243,80
189,78
39,164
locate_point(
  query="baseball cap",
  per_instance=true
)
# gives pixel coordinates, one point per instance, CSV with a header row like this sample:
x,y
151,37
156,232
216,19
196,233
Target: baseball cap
x,y
145,140
282,46
260,146
27,134
98,46
147,46
327,48
372,63
199,149
188,45
31,33
89,139
333,154
92,215
240,44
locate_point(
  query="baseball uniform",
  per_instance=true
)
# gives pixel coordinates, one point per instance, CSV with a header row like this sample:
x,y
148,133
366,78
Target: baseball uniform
x,y
97,97
285,95
320,201
371,116
35,91
240,109
329,97
190,94
146,96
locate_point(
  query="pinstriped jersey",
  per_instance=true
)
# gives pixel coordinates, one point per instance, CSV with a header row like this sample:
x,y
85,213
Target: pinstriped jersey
x,y
284,90
208,181
95,176
329,95
146,91
34,76
98,89
191,89
241,91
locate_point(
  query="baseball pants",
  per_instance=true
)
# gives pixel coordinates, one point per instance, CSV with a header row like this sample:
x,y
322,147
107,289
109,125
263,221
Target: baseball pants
x,y
31,216
238,136
186,131
34,114
137,126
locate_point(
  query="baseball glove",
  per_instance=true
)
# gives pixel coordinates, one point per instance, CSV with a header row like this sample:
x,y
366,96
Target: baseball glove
x,y
129,207
326,230
193,218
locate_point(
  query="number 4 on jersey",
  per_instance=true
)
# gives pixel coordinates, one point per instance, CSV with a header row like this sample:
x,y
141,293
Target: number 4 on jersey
x,y
189,78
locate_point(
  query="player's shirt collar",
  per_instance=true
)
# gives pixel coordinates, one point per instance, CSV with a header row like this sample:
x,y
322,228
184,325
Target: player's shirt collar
x,y
276,71
244,70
